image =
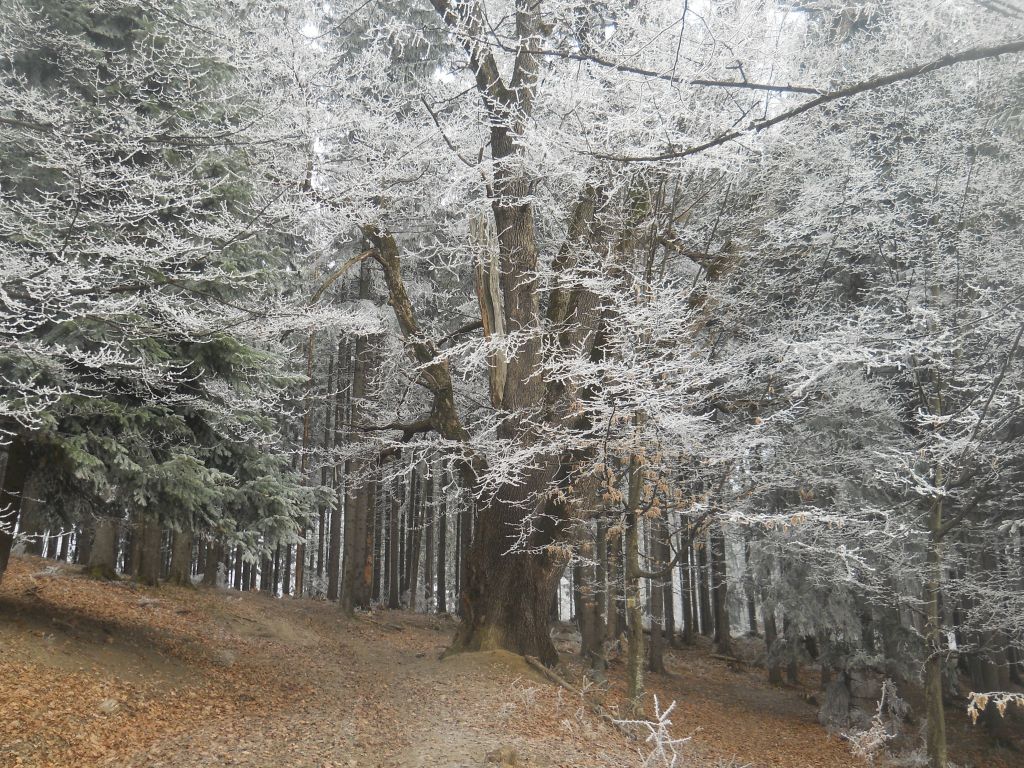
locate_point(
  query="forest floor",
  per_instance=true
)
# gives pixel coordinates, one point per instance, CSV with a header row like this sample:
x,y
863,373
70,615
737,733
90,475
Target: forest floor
x,y
111,674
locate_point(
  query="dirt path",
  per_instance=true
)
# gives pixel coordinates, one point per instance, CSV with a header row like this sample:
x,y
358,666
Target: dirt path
x,y
113,675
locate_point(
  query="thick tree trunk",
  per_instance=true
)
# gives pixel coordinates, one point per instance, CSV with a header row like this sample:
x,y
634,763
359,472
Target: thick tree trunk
x,y
150,536
214,552
103,553
506,598
83,542
15,474
181,559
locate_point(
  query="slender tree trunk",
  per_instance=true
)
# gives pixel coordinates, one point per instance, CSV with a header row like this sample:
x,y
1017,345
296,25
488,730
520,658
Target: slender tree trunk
x,y
380,525
238,568
352,563
465,542
394,534
340,482
935,739
656,555
275,584
748,589
635,655
416,536
685,582
771,636
181,558
703,591
723,632
792,667
429,523
286,584
458,556
15,475
368,510
613,551
588,600
334,546
442,554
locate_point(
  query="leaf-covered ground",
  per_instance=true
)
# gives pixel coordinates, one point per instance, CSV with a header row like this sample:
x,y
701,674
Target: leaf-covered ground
x,y
110,674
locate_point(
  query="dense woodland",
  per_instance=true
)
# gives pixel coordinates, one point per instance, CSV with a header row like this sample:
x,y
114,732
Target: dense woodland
x,y
671,319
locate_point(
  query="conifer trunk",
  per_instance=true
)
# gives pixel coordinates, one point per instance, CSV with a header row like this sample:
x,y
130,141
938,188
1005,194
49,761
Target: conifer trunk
x,y
428,535
15,474
723,631
394,533
685,585
442,554
703,592
149,536
181,559
103,553
635,655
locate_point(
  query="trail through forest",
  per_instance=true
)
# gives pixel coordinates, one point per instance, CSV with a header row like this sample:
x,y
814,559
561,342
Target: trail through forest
x,y
111,674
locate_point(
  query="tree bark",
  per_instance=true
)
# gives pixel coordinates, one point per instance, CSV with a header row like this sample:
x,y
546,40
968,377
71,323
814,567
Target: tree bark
x,y
748,589
150,535
415,535
103,554
286,584
394,533
635,655
237,575
703,592
935,738
15,474
658,559
429,524
442,553
214,554
181,558
588,612
723,632
771,635
685,582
